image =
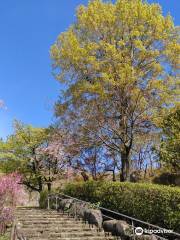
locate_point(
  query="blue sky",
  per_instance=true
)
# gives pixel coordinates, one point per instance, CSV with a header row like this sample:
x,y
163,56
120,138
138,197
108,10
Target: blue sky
x,y
27,30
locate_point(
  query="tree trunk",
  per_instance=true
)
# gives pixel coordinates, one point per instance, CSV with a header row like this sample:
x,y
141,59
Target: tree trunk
x,y
85,176
128,169
125,167
49,186
114,176
122,174
40,184
94,176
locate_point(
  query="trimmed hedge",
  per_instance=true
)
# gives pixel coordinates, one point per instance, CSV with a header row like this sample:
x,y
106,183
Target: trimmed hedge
x,y
152,203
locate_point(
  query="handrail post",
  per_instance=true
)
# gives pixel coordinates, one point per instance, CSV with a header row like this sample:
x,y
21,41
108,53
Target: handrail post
x,y
48,203
133,230
12,231
56,202
76,211
15,233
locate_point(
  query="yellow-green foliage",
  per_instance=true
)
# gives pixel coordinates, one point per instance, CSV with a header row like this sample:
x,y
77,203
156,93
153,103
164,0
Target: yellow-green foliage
x,y
170,144
149,202
127,46
18,148
5,237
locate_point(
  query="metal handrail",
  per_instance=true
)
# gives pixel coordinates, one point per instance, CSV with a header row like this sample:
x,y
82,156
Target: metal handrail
x,y
2,228
132,219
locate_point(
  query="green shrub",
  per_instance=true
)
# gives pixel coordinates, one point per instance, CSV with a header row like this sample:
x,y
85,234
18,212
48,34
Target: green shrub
x,y
152,203
43,202
43,199
5,237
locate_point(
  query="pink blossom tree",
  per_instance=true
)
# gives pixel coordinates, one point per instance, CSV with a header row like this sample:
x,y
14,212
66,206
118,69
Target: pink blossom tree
x,y
52,158
11,195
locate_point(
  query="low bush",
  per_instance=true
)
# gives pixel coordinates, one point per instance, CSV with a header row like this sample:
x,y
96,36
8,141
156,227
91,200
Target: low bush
x,y
43,201
5,237
152,203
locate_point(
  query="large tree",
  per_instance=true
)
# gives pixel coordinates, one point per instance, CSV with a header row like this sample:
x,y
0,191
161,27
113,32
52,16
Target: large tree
x,y
34,152
118,62
53,159
170,143
21,147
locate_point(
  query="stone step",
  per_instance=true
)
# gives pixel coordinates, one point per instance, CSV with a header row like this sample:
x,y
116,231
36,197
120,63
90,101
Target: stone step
x,y
41,221
30,237
85,238
59,230
62,234
74,238
72,226
39,213
76,234
58,222
55,223
44,218
70,237
43,215
38,224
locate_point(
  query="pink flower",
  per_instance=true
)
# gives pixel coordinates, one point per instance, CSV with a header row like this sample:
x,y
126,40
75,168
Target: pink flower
x,y
11,194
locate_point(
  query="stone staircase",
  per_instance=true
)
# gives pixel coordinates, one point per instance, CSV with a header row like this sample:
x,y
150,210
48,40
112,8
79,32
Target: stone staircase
x,y
38,224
